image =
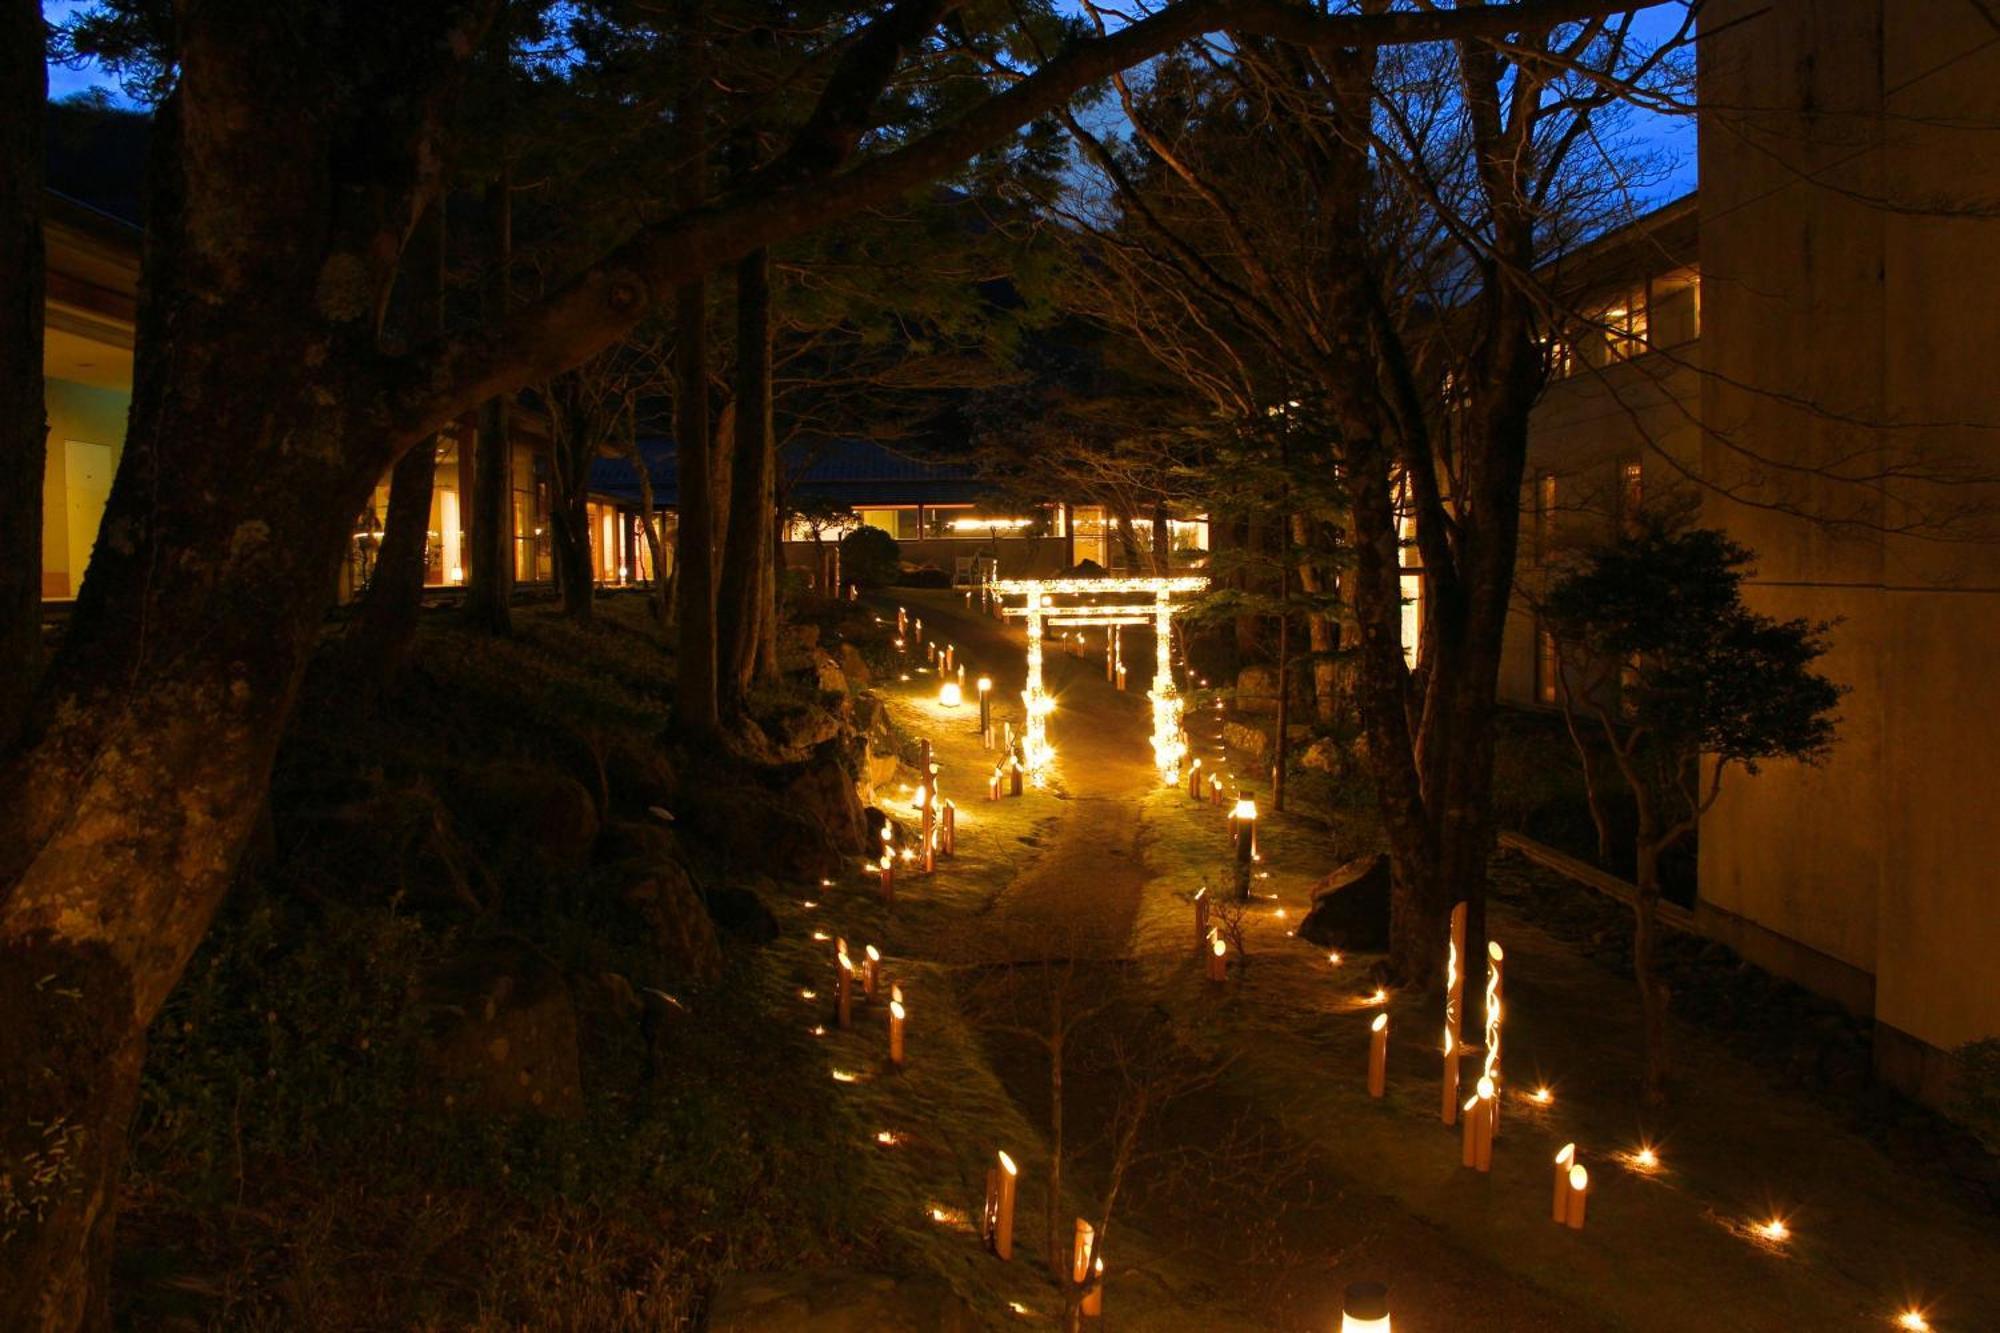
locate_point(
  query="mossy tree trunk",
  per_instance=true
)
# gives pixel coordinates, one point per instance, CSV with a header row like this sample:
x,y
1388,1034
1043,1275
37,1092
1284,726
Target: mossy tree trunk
x,y
489,582
743,599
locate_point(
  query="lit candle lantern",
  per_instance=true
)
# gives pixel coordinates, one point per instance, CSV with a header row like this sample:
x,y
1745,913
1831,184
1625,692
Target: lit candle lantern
x,y
1579,1193
1646,1159
888,877
1079,1255
1565,1159
1215,789
1218,961
1194,780
1093,1300
896,1014
993,783
986,711
1201,919
1488,1100
1491,1072
871,970
1003,1227
1364,1308
844,1008
1378,1055
902,623
950,695
1243,829
1015,772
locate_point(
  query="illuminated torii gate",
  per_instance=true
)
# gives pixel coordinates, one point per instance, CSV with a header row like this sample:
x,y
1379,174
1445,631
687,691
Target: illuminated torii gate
x,y
1168,747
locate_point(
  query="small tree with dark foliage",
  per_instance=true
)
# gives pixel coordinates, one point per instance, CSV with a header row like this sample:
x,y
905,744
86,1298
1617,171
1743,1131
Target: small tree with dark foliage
x,y
1669,679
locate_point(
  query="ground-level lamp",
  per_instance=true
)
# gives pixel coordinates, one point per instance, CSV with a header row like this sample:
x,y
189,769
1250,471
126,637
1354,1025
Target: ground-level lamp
x,y
1378,1055
1476,1149
1579,1193
1243,833
871,970
1218,957
844,1006
1565,1159
1194,780
1491,1071
950,694
985,687
948,829
896,1016
1083,1262
1364,1308
1201,918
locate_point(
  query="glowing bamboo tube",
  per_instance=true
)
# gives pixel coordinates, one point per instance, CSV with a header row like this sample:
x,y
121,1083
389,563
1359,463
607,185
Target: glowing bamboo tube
x,y
1565,1159
1579,1193
959,668
1218,963
1364,1308
1015,771
1003,1229
993,783
950,830
1079,1255
1488,1102
1194,780
888,878
896,1014
1201,919
1454,997
1244,830
1215,789
986,711
1378,1055
917,628
989,1212
845,1007
1491,1072
950,694
1093,1300
1468,1150
871,969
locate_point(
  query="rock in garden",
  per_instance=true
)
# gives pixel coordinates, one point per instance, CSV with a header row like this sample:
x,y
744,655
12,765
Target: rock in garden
x,y
504,1036
1351,908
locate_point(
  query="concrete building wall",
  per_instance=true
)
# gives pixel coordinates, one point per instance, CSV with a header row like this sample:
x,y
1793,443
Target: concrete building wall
x,y
1847,168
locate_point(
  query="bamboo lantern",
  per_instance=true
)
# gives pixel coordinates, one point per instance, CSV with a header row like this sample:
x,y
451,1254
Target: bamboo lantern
x,y
993,783
1378,1055
1194,780
1243,824
845,1006
989,1212
1579,1192
1218,962
895,993
1364,1308
1488,1102
1093,1300
986,711
1079,1255
1454,998
1200,919
1468,1152
871,970
930,651
889,878
950,835
917,628
1491,1072
1003,1227
896,1015
1565,1159
1014,781
960,669
951,694
902,622
1111,653
1215,789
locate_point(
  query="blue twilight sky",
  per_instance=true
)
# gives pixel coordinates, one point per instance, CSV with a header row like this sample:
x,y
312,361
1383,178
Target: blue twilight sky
x,y
1671,136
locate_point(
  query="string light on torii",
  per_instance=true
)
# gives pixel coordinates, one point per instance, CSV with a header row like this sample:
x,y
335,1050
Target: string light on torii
x,y
1169,746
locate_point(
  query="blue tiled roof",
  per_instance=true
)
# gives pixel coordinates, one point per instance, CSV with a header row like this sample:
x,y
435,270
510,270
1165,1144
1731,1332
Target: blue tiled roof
x,y
847,471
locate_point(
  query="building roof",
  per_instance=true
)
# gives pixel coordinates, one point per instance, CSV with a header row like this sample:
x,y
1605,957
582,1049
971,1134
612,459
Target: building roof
x,y
852,472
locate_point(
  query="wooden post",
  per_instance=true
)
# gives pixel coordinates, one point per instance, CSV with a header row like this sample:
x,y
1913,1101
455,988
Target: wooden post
x,y
902,622
1454,998
1378,1055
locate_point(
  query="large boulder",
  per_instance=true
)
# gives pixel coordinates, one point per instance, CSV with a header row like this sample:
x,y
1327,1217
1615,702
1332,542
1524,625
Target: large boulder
x,y
1350,908
530,819
677,919
1243,739
827,675
823,790
855,667
504,1033
640,775
1257,690
837,1301
742,913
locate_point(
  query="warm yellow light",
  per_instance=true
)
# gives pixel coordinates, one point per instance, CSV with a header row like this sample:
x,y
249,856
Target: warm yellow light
x,y
1219,947
808,995
1007,1164
817,1030
1381,1022
990,524
1379,997
1542,1096
1566,1155
1281,914
985,684
1774,1230
1914,1321
1646,1158
874,954
808,903
1579,1179
949,695
895,1011
843,1076
1245,809
821,936
886,1137
1485,1089
1333,958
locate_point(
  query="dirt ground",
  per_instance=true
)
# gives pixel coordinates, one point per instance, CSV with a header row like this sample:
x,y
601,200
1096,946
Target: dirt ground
x,y
1269,1179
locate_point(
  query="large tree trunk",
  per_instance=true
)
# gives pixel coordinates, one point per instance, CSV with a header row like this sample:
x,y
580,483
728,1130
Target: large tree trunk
x,y
697,704
489,584
569,534
24,84
385,624
742,606
1322,629
146,764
